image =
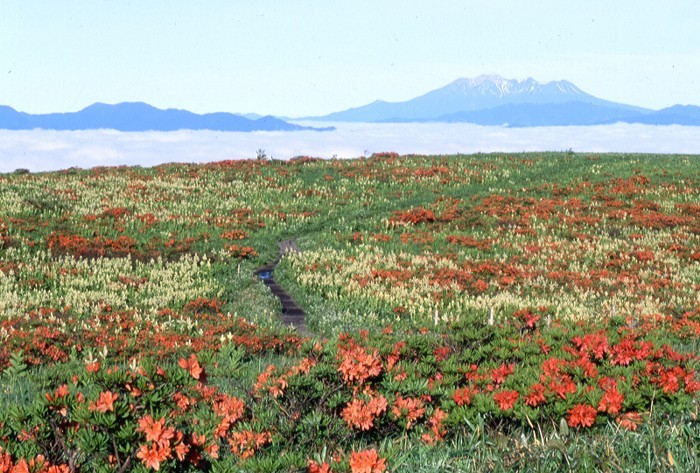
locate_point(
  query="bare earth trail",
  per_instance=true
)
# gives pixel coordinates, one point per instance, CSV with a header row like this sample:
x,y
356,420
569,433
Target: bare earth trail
x,y
292,314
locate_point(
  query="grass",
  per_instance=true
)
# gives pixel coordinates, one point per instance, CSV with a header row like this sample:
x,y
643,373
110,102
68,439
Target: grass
x,y
342,198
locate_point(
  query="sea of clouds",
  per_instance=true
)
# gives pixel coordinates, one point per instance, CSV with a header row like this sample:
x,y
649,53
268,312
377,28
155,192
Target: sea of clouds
x,y
47,150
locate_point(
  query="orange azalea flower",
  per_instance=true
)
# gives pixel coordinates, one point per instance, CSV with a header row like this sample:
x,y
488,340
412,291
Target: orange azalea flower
x,y
212,450
400,376
630,420
361,415
367,461
57,469
60,393
303,367
5,461
20,467
463,396
263,379
611,402
207,392
607,383
562,386
437,432
156,431
181,451
499,375
391,361
277,389
93,367
36,464
480,285
152,455
182,401
357,415
25,436
314,467
506,399
691,385
198,440
133,390
105,402
229,407
275,386
536,395
582,415
192,366
669,379
410,408
181,448
357,365
245,443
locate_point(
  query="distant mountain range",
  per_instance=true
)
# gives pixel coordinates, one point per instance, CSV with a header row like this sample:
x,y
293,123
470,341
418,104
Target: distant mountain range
x,y
493,100
484,100
137,116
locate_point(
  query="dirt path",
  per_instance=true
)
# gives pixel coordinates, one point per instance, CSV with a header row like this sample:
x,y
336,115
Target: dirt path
x,y
292,314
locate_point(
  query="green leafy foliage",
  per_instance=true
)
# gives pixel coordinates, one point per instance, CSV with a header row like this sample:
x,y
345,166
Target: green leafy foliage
x,y
500,312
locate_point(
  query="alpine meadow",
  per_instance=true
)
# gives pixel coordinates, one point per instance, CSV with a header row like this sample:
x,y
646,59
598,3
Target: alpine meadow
x,y
390,313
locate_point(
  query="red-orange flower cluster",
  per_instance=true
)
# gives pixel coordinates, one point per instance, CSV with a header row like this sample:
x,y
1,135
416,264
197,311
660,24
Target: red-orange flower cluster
x,y
367,461
437,431
582,415
246,443
357,366
105,402
192,366
409,408
361,414
506,399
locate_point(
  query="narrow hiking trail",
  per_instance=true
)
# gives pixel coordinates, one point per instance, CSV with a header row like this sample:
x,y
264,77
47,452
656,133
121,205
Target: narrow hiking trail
x,y
292,314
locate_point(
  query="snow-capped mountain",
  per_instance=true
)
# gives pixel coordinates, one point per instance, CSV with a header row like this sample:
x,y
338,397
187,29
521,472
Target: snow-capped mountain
x,y
479,93
497,87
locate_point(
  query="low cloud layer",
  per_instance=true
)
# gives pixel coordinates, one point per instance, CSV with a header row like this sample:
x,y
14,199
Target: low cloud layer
x,y
45,150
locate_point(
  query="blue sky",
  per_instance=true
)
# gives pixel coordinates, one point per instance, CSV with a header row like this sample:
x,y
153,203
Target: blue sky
x,y
298,57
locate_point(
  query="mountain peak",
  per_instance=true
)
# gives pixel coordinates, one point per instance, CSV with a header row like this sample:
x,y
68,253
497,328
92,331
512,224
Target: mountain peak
x,y
500,82
495,78
504,90
486,91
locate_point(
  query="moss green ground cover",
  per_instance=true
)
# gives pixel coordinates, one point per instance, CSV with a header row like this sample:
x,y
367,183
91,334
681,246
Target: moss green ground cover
x,y
469,313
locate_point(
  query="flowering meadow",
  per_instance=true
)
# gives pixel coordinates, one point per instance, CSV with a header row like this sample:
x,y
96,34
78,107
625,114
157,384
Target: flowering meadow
x,y
465,313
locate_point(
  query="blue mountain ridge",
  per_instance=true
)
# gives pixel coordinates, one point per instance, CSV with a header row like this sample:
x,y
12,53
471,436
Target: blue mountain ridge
x,y
139,116
484,100
572,113
493,100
